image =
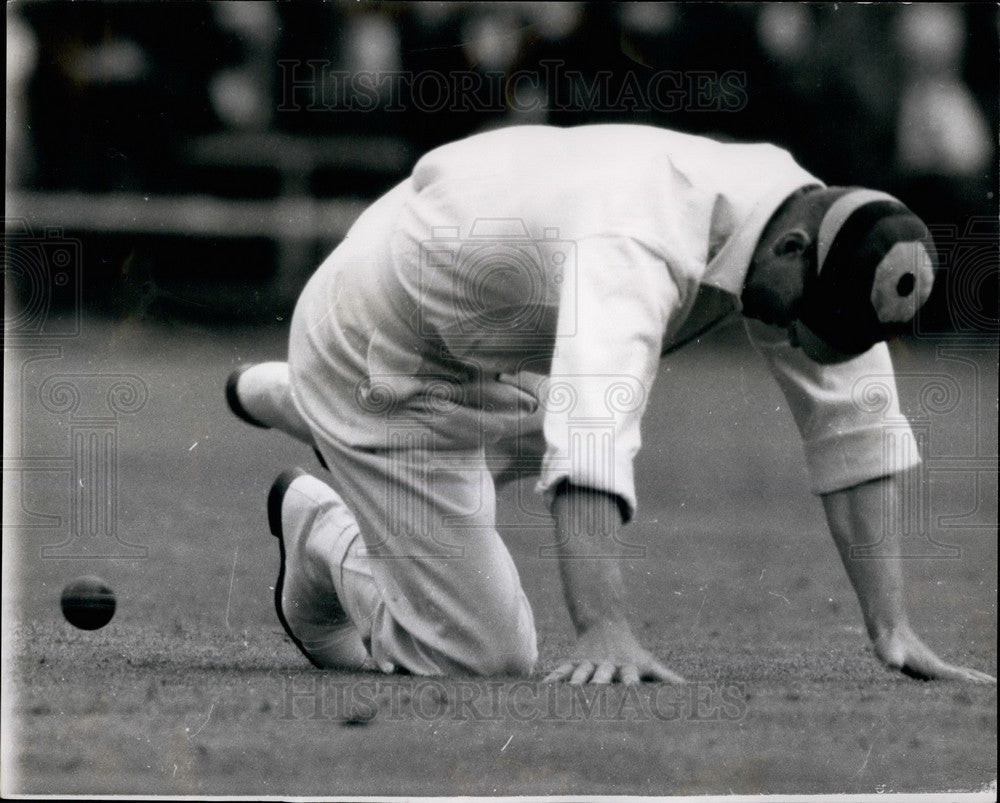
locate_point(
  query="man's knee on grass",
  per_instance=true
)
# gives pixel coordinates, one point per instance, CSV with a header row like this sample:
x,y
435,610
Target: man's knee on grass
x,y
518,663
508,650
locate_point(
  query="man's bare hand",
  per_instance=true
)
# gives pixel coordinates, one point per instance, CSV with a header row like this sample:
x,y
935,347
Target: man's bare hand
x,y
607,653
856,517
903,650
587,523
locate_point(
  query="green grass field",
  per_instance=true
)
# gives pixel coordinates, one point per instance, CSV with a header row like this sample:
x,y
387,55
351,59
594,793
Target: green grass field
x,y
194,689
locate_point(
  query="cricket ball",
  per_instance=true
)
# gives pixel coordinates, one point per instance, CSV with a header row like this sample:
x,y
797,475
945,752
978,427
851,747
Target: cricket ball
x,y
88,603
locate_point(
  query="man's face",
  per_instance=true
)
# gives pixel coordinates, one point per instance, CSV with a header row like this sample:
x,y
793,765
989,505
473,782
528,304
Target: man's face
x,y
776,280
774,288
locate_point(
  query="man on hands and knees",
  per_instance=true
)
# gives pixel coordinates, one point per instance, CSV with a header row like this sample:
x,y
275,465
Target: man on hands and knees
x,y
843,269
518,287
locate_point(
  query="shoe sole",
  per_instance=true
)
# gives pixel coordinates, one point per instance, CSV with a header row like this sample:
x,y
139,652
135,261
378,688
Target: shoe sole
x,y
233,398
275,497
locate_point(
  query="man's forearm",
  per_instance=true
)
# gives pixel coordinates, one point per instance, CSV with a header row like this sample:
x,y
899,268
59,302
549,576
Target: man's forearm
x,y
587,525
856,517
606,649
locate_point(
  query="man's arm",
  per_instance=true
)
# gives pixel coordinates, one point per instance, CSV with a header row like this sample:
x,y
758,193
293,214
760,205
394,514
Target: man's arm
x,y
855,517
606,650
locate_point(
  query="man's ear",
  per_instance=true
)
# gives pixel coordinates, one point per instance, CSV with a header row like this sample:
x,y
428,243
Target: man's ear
x,y
793,241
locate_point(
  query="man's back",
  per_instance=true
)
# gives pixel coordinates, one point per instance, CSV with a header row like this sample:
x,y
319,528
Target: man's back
x,y
679,195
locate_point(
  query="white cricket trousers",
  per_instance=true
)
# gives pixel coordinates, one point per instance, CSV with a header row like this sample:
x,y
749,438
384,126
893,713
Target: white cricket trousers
x,y
429,584
431,587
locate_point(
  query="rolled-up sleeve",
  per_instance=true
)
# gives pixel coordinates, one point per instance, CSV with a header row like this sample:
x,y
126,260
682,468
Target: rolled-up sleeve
x,y
612,316
847,413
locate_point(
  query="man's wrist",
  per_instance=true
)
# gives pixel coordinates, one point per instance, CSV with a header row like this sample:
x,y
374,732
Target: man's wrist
x,y
565,486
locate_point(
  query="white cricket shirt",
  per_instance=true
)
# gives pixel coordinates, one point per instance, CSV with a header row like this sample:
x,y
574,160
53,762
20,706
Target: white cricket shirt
x,y
580,254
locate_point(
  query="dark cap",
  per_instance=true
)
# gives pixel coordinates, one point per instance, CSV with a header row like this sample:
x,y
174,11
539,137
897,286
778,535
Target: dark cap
x,y
874,270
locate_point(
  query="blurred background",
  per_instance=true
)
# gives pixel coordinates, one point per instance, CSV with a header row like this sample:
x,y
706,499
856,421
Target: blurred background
x,y
205,156
176,170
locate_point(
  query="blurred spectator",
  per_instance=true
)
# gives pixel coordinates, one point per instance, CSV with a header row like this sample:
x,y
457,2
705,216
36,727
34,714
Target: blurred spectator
x,y
787,33
491,43
106,96
853,126
875,93
643,28
372,61
944,148
945,161
584,66
115,86
455,57
429,45
786,95
243,94
22,56
491,39
552,22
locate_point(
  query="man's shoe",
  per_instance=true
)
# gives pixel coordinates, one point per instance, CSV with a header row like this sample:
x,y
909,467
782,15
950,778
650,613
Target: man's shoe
x,y
277,495
320,627
274,499
237,408
233,397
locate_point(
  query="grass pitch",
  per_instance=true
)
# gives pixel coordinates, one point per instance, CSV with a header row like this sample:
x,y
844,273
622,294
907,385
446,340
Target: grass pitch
x,y
194,689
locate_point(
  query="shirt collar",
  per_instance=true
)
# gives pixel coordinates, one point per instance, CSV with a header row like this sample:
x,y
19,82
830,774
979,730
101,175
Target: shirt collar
x,y
728,269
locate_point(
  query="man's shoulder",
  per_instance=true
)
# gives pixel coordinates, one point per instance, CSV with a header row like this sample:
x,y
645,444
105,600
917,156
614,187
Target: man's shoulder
x,y
593,132
594,145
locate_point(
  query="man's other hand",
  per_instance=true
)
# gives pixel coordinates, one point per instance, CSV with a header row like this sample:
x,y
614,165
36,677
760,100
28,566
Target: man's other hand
x,y
607,653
